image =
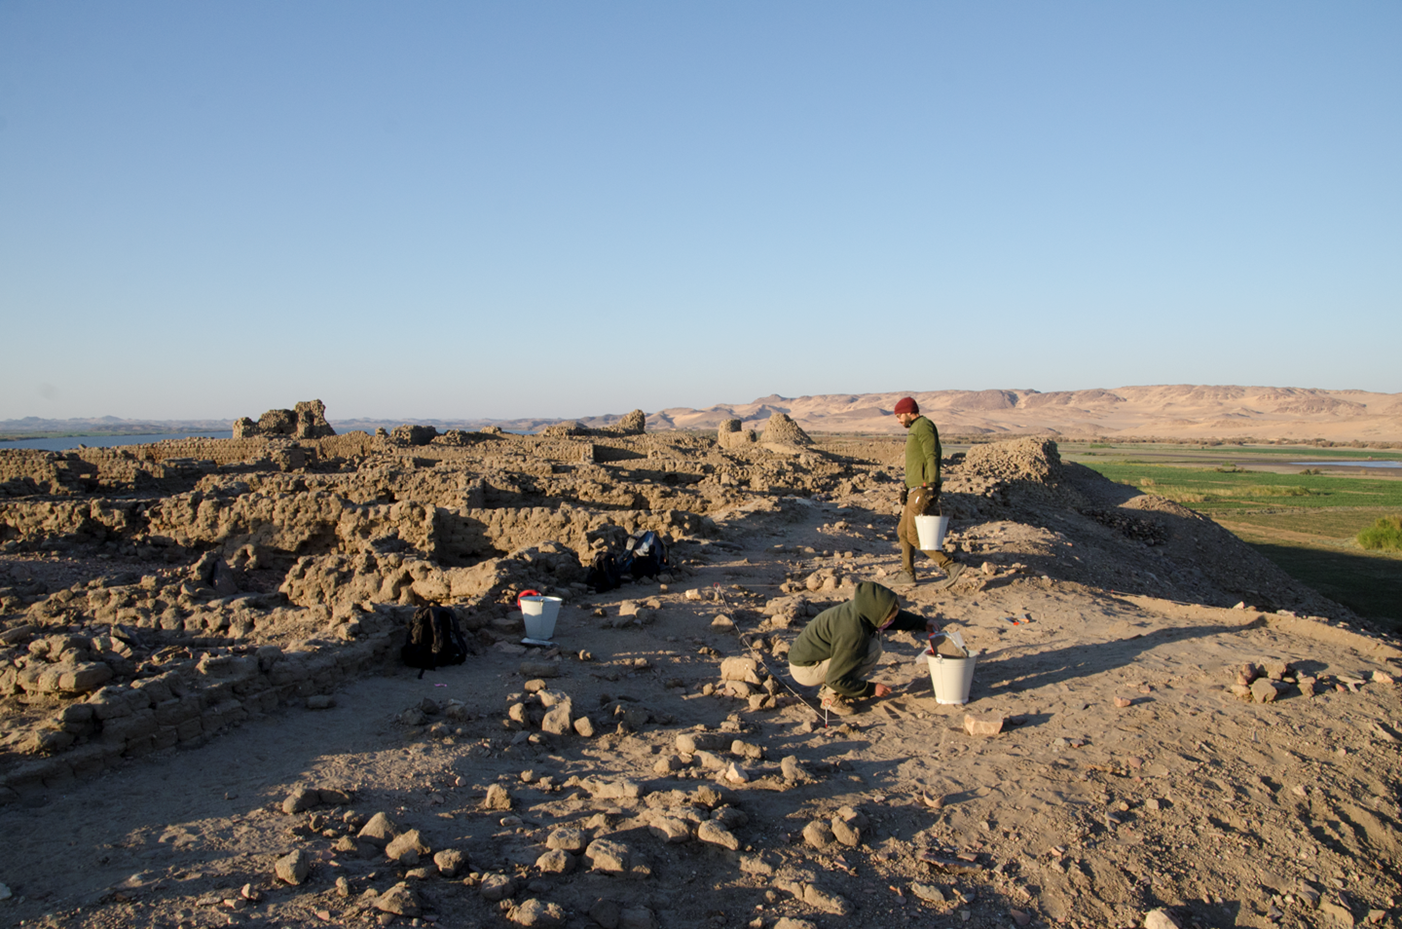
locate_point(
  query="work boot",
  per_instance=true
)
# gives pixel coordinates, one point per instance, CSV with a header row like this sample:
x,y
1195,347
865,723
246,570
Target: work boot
x,y
904,579
953,570
833,702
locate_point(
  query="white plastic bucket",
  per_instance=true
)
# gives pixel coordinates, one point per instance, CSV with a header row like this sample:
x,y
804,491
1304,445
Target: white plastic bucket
x,y
952,676
931,530
540,614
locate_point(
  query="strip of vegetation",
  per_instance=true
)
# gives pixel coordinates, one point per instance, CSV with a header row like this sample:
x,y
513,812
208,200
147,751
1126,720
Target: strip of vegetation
x,y
1385,534
1311,525
1234,489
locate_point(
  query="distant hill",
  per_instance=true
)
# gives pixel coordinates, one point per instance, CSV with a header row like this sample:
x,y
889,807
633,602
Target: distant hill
x,y
1174,412
1181,411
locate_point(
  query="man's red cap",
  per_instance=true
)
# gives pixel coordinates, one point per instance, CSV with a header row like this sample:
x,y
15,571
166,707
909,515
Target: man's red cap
x,y
907,405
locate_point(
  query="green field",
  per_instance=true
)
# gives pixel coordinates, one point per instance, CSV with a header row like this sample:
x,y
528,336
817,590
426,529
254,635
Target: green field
x,y
1307,523
1235,487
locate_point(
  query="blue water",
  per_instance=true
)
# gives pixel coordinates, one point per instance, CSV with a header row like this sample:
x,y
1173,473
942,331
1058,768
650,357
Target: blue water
x,y
1342,463
109,441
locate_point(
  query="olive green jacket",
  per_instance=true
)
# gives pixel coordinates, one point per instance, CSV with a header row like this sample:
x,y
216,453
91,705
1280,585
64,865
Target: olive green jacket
x,y
922,454
839,635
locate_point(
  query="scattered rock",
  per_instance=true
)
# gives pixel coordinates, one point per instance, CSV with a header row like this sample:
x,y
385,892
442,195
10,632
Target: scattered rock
x,y
848,826
730,817
1265,690
689,743
716,834
1341,915
1160,919
792,770
399,900
557,720
756,865
670,830
303,798
567,838
556,861
746,750
609,789
815,896
293,867
818,834
986,727
536,913
331,796
450,861
406,848
496,887
379,830
609,856
740,669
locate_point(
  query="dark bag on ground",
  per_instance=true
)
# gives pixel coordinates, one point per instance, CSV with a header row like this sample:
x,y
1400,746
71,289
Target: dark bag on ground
x,y
647,555
604,573
434,640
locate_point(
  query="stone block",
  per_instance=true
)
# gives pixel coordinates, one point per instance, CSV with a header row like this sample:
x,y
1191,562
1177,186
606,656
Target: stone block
x,y
986,727
85,678
166,737
689,743
123,729
608,856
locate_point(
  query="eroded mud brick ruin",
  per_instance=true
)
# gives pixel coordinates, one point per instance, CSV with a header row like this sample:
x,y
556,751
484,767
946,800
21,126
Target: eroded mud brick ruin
x,y
156,594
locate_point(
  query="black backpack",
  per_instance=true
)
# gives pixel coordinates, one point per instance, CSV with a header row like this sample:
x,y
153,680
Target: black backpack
x,y
604,573
434,639
647,555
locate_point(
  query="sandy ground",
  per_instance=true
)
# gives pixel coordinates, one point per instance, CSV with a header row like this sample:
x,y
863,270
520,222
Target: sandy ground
x,y
1126,777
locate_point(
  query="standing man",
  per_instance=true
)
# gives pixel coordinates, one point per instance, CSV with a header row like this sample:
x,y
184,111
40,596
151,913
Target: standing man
x,y
921,493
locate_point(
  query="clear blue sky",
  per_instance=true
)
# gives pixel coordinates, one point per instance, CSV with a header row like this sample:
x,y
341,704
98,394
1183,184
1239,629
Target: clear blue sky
x,y
462,210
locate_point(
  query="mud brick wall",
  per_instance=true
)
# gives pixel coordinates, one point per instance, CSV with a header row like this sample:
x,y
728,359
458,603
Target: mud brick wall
x,y
186,705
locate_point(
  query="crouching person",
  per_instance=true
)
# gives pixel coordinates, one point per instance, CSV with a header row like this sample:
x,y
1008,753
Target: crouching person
x,y
840,648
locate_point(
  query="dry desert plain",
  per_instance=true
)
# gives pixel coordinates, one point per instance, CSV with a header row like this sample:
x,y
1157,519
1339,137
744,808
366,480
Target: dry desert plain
x,y
206,722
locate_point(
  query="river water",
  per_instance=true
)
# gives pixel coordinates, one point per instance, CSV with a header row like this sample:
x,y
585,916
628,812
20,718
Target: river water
x,y
1342,463
109,441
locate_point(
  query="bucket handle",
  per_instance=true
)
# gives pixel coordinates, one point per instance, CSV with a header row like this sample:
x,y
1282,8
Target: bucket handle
x,y
939,509
525,593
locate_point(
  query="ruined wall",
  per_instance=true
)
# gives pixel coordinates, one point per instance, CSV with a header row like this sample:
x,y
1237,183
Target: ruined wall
x,y
732,433
88,718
